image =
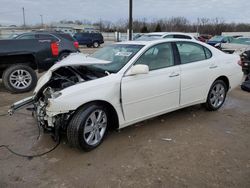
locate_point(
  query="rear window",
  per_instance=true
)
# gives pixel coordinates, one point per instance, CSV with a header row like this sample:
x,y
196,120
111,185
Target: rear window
x,y
47,37
190,52
79,35
182,37
97,34
67,36
26,36
208,53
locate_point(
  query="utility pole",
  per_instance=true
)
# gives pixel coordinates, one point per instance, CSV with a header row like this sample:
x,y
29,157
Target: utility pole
x,y
130,25
41,20
100,25
24,25
197,27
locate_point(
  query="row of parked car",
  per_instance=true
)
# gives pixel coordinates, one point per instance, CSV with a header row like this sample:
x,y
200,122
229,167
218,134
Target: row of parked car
x,y
229,44
27,52
234,44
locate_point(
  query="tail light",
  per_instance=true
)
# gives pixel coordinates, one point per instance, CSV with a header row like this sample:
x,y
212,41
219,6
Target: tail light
x,y
76,44
54,48
240,62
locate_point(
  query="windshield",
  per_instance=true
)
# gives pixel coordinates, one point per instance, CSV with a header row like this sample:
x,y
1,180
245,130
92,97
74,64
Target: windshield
x,y
217,38
117,54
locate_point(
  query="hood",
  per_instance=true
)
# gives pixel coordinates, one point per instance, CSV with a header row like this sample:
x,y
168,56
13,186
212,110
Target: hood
x,y
77,59
74,59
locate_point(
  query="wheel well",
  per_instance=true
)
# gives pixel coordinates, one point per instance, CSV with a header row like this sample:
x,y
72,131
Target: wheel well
x,y
65,51
111,111
225,80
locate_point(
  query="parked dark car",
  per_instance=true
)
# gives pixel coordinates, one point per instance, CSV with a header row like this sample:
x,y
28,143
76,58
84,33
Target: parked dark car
x,y
89,39
204,37
20,58
245,59
67,44
219,39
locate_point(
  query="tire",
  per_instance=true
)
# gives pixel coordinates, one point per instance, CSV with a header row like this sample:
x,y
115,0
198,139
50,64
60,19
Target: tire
x,y
63,55
247,77
216,96
19,78
85,131
96,44
89,45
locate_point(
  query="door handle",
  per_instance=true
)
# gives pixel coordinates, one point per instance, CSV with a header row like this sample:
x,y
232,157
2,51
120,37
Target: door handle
x,y
174,75
213,66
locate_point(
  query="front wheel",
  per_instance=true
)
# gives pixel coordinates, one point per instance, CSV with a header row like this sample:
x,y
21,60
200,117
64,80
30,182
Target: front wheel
x,y
216,96
88,127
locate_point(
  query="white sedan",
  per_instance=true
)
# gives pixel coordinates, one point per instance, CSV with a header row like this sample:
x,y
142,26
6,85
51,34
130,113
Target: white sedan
x,y
129,82
165,35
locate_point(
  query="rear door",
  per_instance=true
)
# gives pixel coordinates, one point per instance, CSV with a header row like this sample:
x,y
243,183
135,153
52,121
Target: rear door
x,y
196,67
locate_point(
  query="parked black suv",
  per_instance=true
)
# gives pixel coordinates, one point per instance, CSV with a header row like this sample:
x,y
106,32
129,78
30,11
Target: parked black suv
x,y
67,44
20,58
89,39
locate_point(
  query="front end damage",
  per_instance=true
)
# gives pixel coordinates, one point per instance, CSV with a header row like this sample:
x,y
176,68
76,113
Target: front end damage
x,y
49,88
49,123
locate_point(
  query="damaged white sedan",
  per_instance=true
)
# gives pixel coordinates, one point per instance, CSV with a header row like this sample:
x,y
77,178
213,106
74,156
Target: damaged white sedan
x,y
128,82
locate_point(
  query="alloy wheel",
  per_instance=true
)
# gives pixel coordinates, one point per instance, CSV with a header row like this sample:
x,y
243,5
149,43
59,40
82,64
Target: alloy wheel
x,y
217,95
20,79
95,127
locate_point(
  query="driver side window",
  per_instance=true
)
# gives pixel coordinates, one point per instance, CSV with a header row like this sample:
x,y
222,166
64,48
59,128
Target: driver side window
x,y
158,57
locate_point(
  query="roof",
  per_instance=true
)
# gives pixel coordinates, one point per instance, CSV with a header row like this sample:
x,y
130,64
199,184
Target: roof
x,y
152,42
169,33
44,32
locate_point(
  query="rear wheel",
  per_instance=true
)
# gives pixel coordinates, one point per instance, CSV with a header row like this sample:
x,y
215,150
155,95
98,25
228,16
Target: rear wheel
x,y
19,78
63,55
96,44
216,96
88,127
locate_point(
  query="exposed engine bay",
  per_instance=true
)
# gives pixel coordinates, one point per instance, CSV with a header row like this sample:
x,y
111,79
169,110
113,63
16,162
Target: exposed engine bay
x,y
61,78
67,76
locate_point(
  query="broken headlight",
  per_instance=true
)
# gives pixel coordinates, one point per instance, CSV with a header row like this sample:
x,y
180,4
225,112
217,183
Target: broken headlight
x,y
50,93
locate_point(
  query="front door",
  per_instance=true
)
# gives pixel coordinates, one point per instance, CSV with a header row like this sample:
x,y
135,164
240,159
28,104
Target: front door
x,y
153,93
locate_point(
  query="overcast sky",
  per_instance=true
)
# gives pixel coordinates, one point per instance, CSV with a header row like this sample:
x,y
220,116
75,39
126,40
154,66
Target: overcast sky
x,y
113,10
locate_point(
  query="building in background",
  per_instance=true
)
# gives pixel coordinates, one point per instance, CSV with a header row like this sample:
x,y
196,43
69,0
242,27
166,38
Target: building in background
x,y
10,31
74,28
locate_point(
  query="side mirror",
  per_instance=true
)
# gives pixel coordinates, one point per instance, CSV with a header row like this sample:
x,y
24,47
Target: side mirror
x,y
138,69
